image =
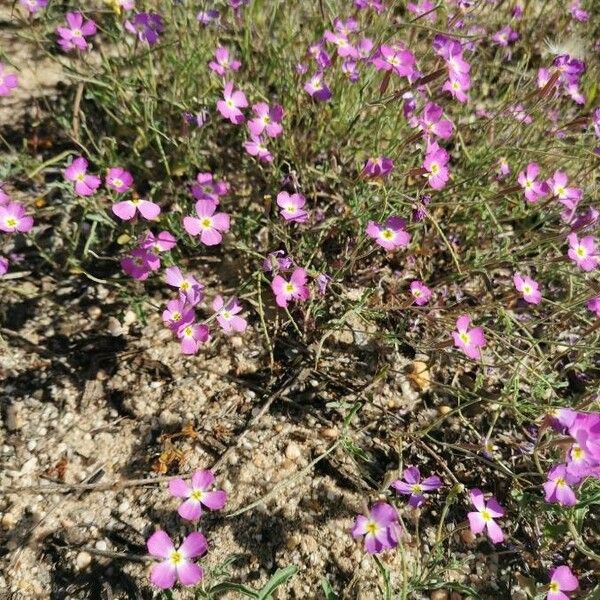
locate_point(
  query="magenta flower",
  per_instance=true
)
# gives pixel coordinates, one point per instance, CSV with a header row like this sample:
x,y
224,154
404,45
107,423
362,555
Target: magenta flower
x,y
207,225
139,263
350,69
197,495
420,292
534,190
503,168
268,120
227,315
558,185
435,165
177,563
346,27
557,487
33,6
208,188
317,88
322,281
192,336
389,235
73,36
163,242
4,197
119,179
397,59
505,36
432,123
292,290
13,218
458,85
528,287
379,527
222,62
414,487
376,5
561,580
344,48
423,7
583,252
127,209
8,81
483,517
470,341
577,11
178,313
85,183
205,17
292,207
232,101
146,26
256,146
3,266
379,166
277,261
190,290
593,305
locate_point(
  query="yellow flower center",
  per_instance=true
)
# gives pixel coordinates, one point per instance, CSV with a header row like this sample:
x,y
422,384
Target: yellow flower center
x,y
11,222
464,337
76,32
554,587
188,331
387,234
290,288
176,316
581,251
226,315
372,527
527,289
206,222
416,488
230,103
434,168
185,285
485,515
176,557
117,182
196,495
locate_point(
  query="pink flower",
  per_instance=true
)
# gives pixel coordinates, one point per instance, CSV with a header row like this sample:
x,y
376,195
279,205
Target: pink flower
x,y
458,85
483,517
73,36
268,120
583,252
192,336
379,527
139,263
413,487
127,209
344,48
232,101
85,184
593,305
190,290
292,207
178,313
33,6
505,36
423,7
503,168
395,58
222,63
557,487
561,580
197,495
8,81
470,341
227,315
119,179
558,185
534,190
208,188
432,123
176,563
420,292
317,88
292,290
435,163
528,287
207,225
163,242
3,266
379,166
13,218
389,235
256,146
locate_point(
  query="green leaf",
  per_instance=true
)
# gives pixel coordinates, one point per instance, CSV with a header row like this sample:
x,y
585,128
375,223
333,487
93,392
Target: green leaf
x,y
328,590
228,586
281,576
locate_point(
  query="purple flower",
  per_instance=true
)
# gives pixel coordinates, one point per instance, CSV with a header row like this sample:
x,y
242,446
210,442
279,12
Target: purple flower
x,y
458,85
13,218
376,5
414,487
177,563
119,179
73,36
435,165
322,280
317,88
505,36
292,290
190,290
256,146
432,123
197,494
33,6
222,63
206,17
379,166
423,7
558,186
139,263
277,261
593,305
8,81
528,287
231,103
470,341
85,184
227,315
147,27
207,225
577,12
127,209
208,188
192,336
534,190
163,242
3,266
420,292
583,251
379,527
561,580
178,313
268,120
292,207
344,48
396,58
483,517
557,487
389,235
